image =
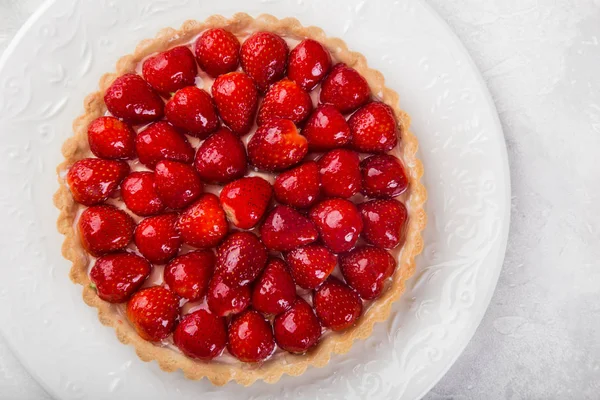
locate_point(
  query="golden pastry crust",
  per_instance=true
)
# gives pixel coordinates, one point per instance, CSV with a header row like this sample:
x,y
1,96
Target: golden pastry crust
x,y
271,370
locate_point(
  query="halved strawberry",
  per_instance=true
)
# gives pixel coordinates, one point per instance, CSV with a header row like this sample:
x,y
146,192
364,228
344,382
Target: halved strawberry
x,y
285,229
188,275
241,258
384,222
217,51
297,329
221,158
105,229
345,89
139,194
170,70
383,176
177,184
236,98
277,145
132,99
274,291
299,187
110,138
162,141
245,200
264,58
201,335
117,276
225,299
339,171
366,269
374,128
337,305
326,129
192,110
250,337
311,265
338,222
309,62
285,100
153,312
93,180
157,238
203,224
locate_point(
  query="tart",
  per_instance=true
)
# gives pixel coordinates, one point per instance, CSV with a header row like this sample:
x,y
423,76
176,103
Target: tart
x,y
241,199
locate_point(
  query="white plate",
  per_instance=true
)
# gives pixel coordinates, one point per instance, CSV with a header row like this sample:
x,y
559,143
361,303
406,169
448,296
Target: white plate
x,y
58,57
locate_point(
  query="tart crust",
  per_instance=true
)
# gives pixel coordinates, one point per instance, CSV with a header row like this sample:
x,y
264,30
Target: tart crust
x,y
270,371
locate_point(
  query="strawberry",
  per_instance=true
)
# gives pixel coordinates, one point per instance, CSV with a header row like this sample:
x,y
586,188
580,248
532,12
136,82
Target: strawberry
x,y
105,229
250,337
217,51
264,58
299,187
339,170
383,176
274,291
132,99
245,200
188,275
384,222
311,265
153,312
277,145
285,100
162,141
221,158
338,222
177,184
192,110
117,276
297,329
309,62
157,238
366,269
224,299
139,194
374,128
326,129
345,89
201,335
285,229
337,306
240,258
203,224
111,138
236,98
93,180
170,70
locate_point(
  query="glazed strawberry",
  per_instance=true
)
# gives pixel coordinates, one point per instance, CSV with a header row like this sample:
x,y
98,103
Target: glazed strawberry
x,y
93,180
277,145
274,291
383,176
139,194
297,329
309,62
285,100
311,265
337,306
177,184
221,158
170,70
285,229
366,269
154,313
203,224
250,337
241,258
338,222
224,299
157,238
132,99
374,128
299,187
339,171
201,335
345,89
384,222
245,200
162,141
192,110
236,98
264,58
188,275
326,129
217,51
105,229
117,276
111,138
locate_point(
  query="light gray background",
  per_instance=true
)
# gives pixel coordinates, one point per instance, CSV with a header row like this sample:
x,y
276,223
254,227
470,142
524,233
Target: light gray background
x,y
540,338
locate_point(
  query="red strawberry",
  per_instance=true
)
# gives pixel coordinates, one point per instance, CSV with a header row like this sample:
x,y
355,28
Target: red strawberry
x,y
170,70
157,238
337,306
105,229
161,141
383,176
285,229
192,110
277,145
345,89
298,187
177,184
132,99
311,265
154,313
117,276
339,170
366,269
338,222
188,275
224,299
139,194
111,138
297,329
250,337
285,100
384,222
245,200
221,158
217,51
203,224
275,291
264,57
241,258
93,180
309,62
374,128
326,129
236,98
201,335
